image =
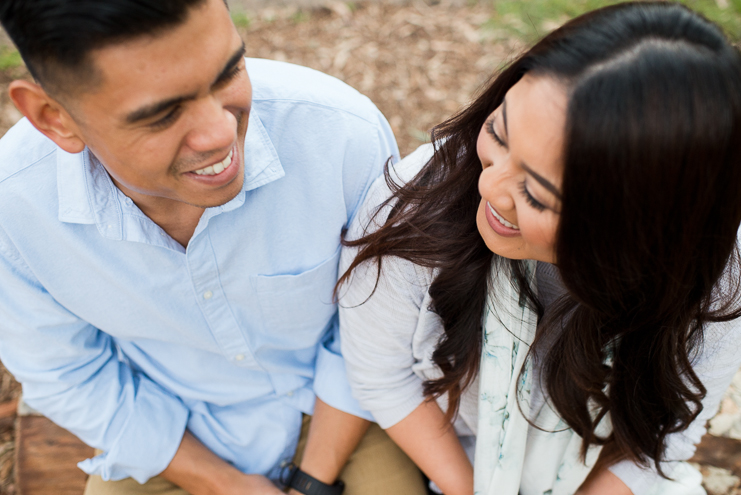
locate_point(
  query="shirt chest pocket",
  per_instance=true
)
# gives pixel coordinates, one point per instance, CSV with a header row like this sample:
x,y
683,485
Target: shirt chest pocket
x,y
301,304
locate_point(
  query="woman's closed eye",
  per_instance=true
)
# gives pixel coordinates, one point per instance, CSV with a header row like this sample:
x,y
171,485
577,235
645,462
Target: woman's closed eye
x,y
493,133
530,199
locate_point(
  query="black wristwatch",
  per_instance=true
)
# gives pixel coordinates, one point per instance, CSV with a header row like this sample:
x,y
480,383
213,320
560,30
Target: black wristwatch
x,y
308,485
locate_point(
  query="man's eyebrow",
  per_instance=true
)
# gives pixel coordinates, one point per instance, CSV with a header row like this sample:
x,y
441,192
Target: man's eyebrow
x,y
542,180
150,111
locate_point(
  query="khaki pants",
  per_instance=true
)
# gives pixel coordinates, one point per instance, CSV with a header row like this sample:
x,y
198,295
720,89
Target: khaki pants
x,y
377,467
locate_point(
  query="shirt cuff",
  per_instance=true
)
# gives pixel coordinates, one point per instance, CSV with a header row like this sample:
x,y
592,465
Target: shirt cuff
x,y
386,418
635,477
684,479
147,442
331,384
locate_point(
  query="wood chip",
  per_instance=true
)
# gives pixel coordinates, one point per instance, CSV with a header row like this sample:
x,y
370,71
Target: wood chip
x,y
8,409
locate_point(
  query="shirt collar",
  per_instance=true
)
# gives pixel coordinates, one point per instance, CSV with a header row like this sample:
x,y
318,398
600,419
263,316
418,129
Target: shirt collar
x,y
88,196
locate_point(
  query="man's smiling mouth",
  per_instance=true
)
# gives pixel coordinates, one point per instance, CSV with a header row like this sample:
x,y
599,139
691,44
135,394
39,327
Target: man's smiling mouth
x,y
217,168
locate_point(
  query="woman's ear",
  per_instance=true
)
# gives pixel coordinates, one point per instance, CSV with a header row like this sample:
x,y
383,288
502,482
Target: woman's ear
x,y
46,115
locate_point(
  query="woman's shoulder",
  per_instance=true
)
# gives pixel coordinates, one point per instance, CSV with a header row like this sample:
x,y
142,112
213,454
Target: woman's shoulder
x,y
374,210
401,173
411,165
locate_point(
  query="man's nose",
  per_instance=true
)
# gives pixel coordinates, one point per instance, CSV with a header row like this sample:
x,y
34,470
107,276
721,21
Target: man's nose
x,y
214,127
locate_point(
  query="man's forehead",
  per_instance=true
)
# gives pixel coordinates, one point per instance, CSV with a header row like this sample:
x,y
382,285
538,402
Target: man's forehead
x,y
178,61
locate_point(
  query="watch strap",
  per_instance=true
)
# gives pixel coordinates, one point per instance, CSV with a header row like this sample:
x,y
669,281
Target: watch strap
x,y
308,485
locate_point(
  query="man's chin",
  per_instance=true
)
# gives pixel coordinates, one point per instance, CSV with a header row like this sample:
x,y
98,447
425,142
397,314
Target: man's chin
x,y
220,199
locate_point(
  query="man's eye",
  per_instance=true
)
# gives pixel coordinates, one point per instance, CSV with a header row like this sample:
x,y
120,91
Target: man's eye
x,y
168,119
230,75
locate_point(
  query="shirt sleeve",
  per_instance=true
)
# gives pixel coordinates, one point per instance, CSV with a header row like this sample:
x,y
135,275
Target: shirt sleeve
x,y
71,373
378,321
330,379
715,366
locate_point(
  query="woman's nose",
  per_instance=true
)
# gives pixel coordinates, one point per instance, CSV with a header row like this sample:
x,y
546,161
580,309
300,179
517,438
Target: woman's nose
x,y
497,185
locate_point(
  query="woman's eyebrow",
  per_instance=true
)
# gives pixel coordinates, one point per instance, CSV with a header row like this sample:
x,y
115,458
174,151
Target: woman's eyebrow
x,y
542,180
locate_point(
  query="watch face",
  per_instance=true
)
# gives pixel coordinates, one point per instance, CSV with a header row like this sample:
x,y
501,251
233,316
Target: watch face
x,y
287,472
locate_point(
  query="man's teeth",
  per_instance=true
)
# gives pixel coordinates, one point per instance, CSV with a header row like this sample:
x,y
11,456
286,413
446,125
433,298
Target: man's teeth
x,y
502,220
218,168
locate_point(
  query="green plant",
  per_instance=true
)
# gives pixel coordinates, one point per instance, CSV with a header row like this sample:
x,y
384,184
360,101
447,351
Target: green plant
x,y
421,136
9,58
300,16
530,20
241,19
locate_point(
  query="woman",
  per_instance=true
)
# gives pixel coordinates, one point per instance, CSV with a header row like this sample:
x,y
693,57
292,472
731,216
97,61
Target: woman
x,y
595,253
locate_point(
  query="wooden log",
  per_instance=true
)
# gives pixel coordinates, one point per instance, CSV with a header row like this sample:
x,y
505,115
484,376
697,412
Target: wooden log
x,y
720,452
47,457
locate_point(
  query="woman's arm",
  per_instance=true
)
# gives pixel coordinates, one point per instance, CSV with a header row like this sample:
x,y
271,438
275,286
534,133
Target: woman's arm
x,y
333,437
430,441
603,483
377,335
388,334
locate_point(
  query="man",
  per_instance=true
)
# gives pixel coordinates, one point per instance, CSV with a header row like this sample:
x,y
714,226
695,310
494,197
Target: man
x,y
170,217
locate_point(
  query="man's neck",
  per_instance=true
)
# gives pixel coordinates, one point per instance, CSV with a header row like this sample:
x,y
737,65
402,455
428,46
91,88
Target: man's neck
x,y
180,223
176,218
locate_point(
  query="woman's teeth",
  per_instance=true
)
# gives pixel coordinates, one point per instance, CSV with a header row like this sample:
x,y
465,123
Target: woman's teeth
x,y
501,220
218,168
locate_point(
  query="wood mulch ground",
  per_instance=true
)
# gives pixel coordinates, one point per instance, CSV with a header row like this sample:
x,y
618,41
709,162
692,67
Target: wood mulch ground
x,y
419,63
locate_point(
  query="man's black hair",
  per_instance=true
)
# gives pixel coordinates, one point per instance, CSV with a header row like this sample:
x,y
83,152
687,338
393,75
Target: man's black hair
x,y
55,37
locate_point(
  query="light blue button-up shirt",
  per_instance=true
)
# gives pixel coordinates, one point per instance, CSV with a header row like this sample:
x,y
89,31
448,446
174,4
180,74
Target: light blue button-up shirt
x,y
125,338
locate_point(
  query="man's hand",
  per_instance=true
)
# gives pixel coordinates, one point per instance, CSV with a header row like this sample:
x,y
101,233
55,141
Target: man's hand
x,y
253,483
199,471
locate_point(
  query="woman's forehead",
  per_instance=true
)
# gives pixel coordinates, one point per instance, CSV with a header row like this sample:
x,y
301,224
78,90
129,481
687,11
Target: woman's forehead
x,y
535,111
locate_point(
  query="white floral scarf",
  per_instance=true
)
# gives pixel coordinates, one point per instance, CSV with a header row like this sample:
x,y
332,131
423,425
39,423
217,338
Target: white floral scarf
x,y
511,456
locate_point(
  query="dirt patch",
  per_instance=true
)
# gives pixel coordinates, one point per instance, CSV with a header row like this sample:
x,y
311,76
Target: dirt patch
x,y
418,63
9,391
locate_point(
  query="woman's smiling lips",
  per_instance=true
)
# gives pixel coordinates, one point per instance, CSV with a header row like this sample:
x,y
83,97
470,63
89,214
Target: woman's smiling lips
x,y
219,173
497,223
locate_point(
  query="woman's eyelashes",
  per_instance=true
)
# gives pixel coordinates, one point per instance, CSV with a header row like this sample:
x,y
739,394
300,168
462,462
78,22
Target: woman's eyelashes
x,y
523,187
493,133
530,199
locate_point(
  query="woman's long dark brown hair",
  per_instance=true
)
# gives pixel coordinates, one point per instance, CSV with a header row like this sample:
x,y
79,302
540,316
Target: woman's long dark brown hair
x,y
650,213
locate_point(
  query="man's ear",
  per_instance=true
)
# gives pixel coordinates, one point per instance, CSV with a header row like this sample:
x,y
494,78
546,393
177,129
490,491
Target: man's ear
x,y
46,115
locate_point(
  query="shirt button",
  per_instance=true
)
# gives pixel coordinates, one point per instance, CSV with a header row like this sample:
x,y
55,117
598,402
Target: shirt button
x,y
208,295
289,393
239,357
